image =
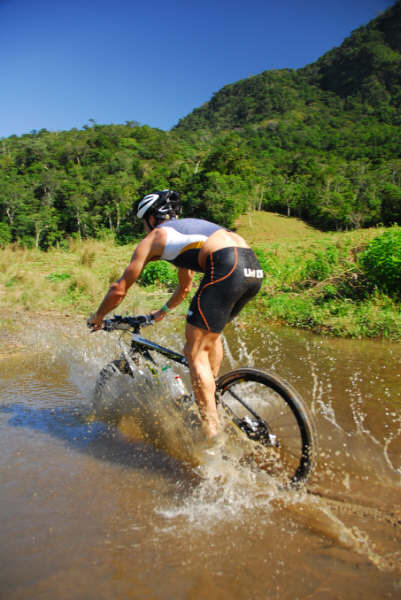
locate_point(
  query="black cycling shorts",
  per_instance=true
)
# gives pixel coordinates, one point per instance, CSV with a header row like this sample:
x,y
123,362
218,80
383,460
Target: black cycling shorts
x,y
232,277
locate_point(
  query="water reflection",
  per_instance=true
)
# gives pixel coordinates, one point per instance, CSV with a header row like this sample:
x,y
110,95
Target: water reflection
x,y
103,442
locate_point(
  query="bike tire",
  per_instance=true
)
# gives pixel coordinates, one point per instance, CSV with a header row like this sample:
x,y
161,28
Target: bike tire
x,y
284,438
118,366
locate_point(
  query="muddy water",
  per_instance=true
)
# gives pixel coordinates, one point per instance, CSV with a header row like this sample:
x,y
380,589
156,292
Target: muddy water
x,y
89,512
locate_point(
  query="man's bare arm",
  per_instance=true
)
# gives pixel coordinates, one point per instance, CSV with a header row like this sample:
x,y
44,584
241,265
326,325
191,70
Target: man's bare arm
x,y
185,277
148,249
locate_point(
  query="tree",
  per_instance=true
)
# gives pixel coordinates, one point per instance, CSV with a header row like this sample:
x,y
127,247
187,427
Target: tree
x,y
391,204
12,194
5,235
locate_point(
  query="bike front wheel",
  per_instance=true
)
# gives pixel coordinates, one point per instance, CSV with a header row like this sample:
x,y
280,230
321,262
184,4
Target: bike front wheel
x,y
272,415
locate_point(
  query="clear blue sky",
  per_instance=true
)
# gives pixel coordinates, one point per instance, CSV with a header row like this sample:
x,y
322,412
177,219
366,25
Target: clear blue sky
x,y
153,61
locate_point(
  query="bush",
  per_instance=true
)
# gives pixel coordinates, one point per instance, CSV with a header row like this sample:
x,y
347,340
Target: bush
x,y
381,261
321,266
27,241
159,272
5,235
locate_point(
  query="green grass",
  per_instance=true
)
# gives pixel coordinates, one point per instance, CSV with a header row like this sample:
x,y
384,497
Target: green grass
x,y
312,279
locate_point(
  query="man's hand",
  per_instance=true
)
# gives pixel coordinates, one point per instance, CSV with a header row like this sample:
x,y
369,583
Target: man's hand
x,y
158,315
95,323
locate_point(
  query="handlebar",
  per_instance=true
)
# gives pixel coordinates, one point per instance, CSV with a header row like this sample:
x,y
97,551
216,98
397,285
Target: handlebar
x,y
127,323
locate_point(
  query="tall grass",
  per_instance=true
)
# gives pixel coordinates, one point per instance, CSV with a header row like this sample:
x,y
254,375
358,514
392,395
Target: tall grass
x,y
64,281
312,279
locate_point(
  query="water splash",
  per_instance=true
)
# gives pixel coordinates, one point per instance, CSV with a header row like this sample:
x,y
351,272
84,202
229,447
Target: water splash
x,y
227,488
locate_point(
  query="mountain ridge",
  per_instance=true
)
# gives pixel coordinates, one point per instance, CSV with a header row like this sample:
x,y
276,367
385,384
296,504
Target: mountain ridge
x,y
366,66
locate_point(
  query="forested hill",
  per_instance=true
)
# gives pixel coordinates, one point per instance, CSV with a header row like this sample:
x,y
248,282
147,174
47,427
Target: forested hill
x,y
366,68
322,143
363,74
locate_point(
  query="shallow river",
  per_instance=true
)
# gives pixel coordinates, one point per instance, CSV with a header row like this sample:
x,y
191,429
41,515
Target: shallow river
x,y
89,513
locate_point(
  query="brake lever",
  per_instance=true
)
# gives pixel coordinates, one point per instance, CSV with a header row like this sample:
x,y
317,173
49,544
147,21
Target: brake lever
x,y
91,326
108,325
149,320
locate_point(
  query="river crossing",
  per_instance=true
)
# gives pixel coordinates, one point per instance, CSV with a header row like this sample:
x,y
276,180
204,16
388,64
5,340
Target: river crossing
x,y
88,511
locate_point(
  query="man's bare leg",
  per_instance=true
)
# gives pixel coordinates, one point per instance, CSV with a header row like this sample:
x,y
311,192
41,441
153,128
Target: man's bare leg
x,y
216,356
204,352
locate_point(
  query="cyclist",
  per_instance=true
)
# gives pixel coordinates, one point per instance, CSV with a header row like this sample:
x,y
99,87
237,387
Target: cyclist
x,y
232,276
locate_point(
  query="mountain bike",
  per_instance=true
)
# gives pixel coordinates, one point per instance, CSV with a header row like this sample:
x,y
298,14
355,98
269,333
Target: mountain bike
x,y
263,408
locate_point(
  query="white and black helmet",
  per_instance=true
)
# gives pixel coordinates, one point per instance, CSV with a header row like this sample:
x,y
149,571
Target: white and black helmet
x,y
160,204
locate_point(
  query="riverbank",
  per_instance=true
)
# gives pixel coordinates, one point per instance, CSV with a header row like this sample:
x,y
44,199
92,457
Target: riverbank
x,y
312,279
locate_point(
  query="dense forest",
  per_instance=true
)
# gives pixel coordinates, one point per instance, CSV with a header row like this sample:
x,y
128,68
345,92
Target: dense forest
x,y
322,143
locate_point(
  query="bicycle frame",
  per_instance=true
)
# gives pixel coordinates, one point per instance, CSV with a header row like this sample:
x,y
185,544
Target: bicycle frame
x,y
143,346
138,343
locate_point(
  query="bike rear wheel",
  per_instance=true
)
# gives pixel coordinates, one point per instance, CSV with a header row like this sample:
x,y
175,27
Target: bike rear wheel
x,y
272,415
